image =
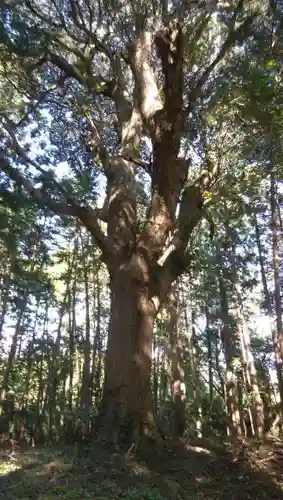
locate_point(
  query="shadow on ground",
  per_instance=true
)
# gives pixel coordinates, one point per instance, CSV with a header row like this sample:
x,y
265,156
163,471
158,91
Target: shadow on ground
x,y
183,471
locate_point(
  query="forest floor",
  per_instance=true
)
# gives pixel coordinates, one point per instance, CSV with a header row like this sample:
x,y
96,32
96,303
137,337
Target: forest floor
x,y
185,471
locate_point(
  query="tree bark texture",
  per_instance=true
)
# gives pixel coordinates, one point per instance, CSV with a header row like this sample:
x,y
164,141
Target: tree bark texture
x,y
126,408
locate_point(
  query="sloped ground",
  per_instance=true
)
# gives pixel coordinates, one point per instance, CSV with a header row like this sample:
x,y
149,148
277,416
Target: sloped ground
x,y
184,471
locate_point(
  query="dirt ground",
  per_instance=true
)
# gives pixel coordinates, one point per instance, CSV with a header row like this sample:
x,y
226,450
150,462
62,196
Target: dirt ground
x,y
186,470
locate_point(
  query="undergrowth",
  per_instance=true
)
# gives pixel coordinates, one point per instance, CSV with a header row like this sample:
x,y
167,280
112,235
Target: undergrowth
x,y
182,471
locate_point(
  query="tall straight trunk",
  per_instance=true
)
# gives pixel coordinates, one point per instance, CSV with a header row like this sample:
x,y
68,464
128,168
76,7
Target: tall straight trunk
x,y
280,223
275,247
268,306
178,374
209,359
85,396
219,370
13,348
98,379
251,372
96,348
72,292
7,270
41,398
230,354
163,381
194,375
256,411
194,361
29,361
5,285
53,376
78,375
126,411
156,374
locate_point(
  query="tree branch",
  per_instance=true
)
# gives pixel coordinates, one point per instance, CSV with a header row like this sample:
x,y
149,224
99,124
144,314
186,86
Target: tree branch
x,y
234,35
95,84
36,194
169,42
138,57
190,213
67,207
176,264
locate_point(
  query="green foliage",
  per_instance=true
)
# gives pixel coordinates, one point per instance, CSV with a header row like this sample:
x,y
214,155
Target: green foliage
x,y
54,92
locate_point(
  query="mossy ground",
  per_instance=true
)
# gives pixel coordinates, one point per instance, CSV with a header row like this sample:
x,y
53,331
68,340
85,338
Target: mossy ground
x,y
183,471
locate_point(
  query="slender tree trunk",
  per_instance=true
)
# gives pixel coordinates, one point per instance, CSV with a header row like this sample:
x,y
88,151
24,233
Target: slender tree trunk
x,y
218,367
280,225
42,393
5,288
163,381
277,289
78,373
209,359
13,348
30,360
178,374
230,354
72,328
39,399
268,306
196,376
85,397
256,414
53,378
251,373
156,376
96,348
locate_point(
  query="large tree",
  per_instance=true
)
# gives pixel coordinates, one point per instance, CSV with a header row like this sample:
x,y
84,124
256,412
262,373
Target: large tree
x,y
120,83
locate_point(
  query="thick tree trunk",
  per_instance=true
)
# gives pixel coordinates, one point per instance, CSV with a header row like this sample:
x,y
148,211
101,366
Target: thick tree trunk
x,y
126,412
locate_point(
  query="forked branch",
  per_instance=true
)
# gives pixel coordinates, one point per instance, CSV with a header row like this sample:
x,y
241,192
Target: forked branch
x,y
233,36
